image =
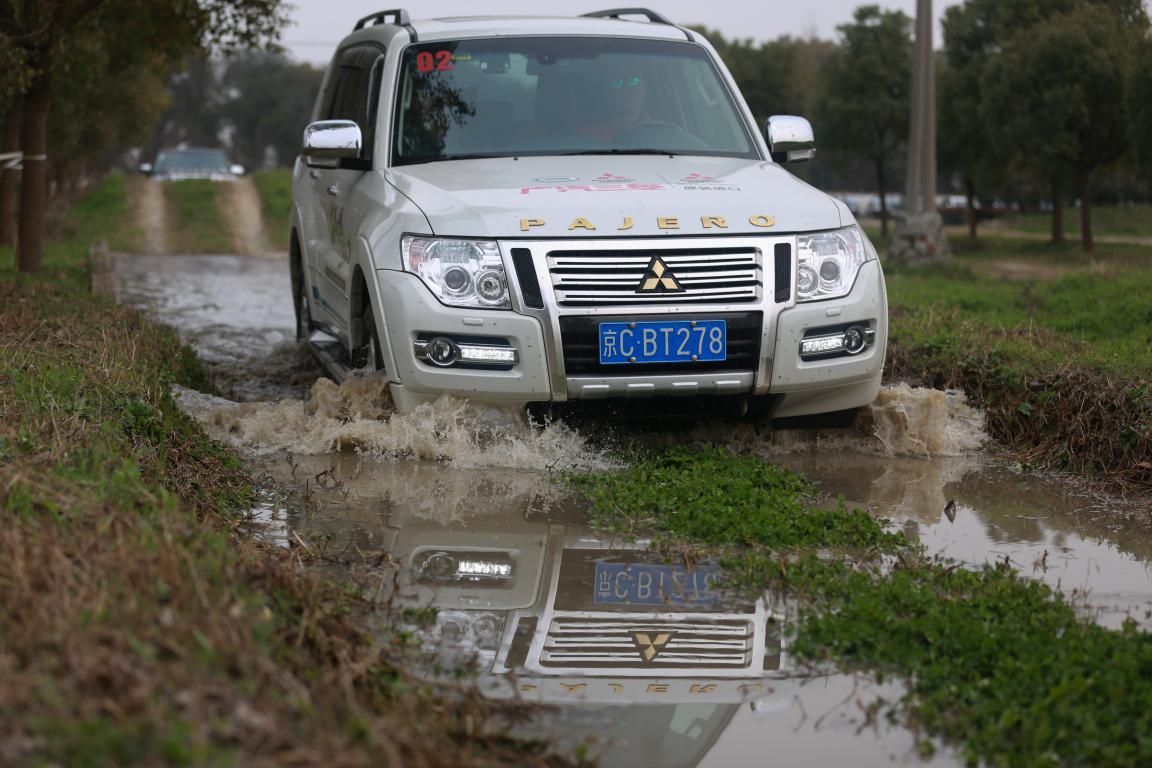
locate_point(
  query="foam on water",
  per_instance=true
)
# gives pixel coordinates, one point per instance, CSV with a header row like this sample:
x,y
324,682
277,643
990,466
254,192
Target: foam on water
x,y
903,421
358,415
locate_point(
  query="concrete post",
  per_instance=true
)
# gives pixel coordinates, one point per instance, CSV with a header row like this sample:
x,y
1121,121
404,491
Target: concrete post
x,y
919,234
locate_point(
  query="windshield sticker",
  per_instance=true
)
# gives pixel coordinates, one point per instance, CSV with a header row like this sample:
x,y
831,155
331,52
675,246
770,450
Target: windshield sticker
x,y
611,178
595,188
427,61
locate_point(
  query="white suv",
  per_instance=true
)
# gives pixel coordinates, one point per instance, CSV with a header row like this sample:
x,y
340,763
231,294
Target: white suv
x,y
547,209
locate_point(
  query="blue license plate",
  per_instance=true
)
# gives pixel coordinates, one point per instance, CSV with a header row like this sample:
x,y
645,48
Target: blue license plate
x,y
649,584
663,341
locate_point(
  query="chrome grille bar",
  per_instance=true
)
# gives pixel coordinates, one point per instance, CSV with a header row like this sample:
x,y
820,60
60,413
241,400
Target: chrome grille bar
x,y
610,642
612,277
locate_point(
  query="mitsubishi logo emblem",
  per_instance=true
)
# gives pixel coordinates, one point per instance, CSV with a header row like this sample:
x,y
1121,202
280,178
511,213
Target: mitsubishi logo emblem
x,y
650,644
658,278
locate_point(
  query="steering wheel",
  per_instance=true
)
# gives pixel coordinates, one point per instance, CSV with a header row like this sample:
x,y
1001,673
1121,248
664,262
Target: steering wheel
x,y
649,124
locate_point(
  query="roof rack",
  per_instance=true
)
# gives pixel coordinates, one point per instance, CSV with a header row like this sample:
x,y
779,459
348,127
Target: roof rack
x,y
616,13
399,15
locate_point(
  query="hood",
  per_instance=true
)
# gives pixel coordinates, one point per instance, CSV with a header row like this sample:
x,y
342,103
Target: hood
x,y
613,196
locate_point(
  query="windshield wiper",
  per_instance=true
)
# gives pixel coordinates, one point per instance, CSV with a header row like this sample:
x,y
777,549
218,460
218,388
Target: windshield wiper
x,y
611,151
438,158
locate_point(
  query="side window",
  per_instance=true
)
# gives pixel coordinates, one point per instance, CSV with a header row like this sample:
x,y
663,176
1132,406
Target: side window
x,y
357,85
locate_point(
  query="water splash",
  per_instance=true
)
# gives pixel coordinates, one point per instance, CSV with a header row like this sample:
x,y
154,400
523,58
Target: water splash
x,y
903,421
358,415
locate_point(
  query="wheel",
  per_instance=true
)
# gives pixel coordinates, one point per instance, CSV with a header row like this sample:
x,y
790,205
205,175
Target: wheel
x,y
304,326
367,357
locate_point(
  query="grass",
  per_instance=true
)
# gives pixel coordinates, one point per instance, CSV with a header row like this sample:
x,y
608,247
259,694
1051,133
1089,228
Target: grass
x,y
195,223
139,623
1002,668
1120,220
275,189
1062,364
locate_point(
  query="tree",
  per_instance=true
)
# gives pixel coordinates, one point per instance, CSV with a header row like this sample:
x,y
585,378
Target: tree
x,y
45,30
976,35
1060,88
269,99
866,87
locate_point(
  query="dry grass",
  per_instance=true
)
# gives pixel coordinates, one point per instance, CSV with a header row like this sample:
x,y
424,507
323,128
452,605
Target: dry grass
x,y
139,625
1043,401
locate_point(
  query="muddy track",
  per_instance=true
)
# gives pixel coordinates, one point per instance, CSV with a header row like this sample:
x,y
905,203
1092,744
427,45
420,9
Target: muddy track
x,y
241,207
146,203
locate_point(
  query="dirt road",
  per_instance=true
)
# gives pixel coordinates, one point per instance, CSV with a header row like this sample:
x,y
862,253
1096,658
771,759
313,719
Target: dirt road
x,y
238,203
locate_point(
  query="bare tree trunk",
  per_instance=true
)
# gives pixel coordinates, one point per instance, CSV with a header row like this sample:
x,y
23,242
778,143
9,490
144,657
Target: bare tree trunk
x,y
1057,213
10,178
882,183
970,205
33,190
1086,243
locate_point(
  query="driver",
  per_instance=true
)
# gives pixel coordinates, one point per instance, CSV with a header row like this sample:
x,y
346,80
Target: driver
x,y
618,104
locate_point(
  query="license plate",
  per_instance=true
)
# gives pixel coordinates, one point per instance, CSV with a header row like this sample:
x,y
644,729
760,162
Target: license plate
x,y
663,341
650,584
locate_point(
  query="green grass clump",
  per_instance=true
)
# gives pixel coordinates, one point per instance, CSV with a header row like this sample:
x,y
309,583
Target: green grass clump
x,y
1003,668
195,222
715,497
999,665
275,189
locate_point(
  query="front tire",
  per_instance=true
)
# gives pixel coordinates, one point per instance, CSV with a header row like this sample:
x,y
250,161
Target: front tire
x,y
366,357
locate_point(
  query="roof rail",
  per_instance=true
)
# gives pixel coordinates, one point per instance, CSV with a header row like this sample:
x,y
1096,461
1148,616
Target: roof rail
x,y
616,13
381,17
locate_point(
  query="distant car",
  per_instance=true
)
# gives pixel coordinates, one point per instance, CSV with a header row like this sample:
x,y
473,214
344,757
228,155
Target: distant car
x,y
192,163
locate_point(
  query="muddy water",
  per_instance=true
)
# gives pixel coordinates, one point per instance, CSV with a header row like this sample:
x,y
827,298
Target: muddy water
x,y
236,312
456,487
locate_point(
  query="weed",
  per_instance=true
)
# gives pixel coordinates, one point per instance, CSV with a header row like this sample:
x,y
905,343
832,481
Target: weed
x,y
1000,666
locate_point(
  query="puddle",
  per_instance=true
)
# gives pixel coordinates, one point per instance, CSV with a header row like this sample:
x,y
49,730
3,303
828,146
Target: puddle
x,y
236,312
464,499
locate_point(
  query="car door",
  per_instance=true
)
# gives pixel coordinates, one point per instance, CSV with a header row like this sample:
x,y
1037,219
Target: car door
x,y
336,186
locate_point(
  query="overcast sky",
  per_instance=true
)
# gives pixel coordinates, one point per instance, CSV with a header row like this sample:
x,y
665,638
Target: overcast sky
x,y
320,24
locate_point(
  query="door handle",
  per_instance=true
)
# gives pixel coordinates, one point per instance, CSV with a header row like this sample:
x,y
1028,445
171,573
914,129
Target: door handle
x,y
333,190
314,174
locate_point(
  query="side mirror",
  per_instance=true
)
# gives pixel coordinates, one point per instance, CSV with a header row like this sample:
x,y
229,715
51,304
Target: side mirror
x,y
327,142
236,170
146,168
790,139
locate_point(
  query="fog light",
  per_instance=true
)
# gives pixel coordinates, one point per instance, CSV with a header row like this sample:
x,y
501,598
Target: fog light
x,y
854,340
483,353
442,351
472,567
822,345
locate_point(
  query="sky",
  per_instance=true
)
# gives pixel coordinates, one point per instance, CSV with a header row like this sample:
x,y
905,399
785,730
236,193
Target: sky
x,y
320,24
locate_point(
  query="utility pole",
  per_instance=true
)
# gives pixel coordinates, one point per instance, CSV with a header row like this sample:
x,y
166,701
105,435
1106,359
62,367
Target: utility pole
x,y
919,235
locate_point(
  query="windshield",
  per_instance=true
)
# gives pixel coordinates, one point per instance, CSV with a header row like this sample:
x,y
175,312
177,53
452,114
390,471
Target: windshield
x,y
563,95
192,160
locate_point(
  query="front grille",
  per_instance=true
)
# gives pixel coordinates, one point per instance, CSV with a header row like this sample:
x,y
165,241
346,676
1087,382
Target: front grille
x,y
580,340
645,644
607,278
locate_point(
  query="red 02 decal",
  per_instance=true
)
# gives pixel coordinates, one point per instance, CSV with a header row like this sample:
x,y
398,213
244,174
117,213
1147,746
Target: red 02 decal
x,y
426,61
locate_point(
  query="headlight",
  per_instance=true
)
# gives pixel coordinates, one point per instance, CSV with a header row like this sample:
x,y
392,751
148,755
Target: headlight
x,y
468,630
462,273
828,263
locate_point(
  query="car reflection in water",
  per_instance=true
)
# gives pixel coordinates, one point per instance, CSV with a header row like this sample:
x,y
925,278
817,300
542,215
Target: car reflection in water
x,y
646,662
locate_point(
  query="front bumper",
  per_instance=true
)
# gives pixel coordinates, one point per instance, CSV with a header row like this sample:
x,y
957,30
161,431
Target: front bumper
x,y
543,339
